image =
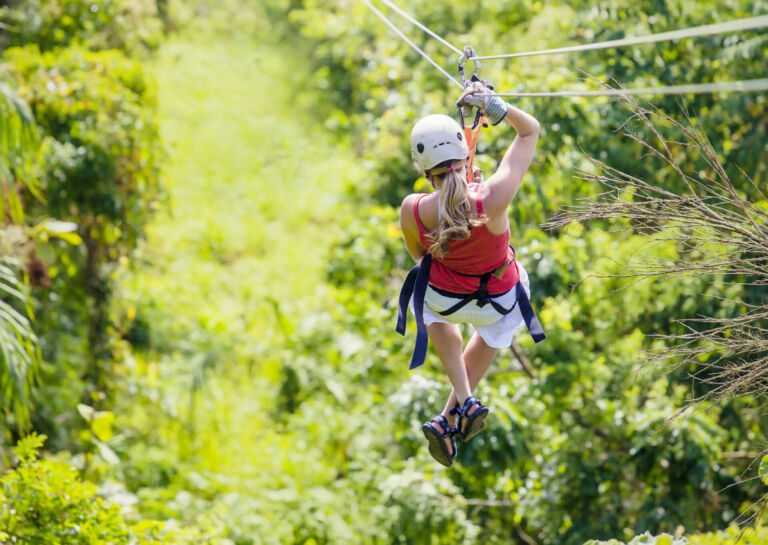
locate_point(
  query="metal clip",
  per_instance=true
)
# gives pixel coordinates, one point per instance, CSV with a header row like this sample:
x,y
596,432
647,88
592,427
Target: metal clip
x,y
468,53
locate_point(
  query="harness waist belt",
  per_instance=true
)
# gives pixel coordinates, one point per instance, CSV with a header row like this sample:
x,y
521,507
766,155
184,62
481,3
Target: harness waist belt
x,y
416,285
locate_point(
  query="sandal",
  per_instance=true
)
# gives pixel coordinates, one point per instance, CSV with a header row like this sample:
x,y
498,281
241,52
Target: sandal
x,y
470,425
435,438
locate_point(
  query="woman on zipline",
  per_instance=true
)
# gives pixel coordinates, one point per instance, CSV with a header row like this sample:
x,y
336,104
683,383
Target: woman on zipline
x,y
460,233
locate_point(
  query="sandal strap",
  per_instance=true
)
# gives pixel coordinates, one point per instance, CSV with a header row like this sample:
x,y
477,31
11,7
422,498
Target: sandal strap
x,y
441,420
455,410
468,404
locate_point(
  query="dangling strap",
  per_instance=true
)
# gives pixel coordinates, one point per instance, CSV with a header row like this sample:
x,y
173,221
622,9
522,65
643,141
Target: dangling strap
x,y
415,285
531,321
471,137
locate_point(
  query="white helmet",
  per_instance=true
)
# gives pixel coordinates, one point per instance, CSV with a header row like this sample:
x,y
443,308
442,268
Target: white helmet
x,y
435,139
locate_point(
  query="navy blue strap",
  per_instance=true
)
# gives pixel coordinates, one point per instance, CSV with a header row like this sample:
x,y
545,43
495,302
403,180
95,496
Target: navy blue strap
x,y
468,404
458,306
531,321
440,419
422,339
474,296
415,285
405,295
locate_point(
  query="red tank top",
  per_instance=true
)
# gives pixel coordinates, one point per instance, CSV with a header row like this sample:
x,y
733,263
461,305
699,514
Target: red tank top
x,y
482,252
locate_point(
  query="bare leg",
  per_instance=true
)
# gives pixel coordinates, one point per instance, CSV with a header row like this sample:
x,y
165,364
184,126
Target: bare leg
x,y
446,338
478,358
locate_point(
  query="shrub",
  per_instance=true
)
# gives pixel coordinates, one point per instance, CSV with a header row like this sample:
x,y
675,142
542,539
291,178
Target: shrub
x,y
98,24
44,501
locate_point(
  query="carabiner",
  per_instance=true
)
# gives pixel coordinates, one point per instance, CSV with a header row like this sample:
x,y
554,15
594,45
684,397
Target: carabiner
x,y
468,53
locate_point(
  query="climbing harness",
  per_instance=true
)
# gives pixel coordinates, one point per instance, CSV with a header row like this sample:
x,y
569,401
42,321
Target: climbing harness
x,y
415,286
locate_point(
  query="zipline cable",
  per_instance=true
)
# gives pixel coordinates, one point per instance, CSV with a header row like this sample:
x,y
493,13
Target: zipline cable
x,y
397,31
750,23
693,88
422,27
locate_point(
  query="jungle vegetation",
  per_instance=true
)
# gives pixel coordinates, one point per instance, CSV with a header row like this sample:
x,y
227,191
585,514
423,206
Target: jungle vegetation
x,y
200,258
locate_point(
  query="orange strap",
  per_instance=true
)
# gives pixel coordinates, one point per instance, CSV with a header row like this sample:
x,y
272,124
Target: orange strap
x,y
471,137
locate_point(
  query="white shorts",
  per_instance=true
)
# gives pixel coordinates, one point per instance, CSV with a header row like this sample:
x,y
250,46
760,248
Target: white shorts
x,y
495,329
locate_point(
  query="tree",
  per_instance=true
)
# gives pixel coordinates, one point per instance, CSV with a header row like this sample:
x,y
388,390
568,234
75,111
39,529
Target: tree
x,y
18,344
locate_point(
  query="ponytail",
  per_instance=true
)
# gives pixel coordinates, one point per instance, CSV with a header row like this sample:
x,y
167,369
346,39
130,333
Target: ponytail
x,y
454,222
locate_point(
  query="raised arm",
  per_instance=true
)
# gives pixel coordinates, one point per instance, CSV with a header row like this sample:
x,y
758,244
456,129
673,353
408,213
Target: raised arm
x,y
503,185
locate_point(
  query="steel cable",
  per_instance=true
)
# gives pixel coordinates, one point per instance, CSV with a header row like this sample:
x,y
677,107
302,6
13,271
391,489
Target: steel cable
x,y
706,30
397,31
694,88
422,27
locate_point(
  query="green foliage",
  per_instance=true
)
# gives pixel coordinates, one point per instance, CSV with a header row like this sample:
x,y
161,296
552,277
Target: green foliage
x,y
644,539
734,535
96,111
731,536
19,143
129,25
763,469
580,454
259,394
19,352
377,86
44,501
101,167
308,399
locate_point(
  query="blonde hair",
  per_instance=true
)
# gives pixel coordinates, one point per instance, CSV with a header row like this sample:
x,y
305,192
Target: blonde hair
x,y
455,208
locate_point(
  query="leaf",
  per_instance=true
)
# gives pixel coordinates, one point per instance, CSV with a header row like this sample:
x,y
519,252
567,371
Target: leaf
x,y
65,230
763,470
72,238
86,412
18,344
26,449
99,421
107,454
102,425
336,389
56,227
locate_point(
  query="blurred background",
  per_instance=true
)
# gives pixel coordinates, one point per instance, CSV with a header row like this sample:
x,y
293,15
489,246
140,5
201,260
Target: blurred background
x,y
200,256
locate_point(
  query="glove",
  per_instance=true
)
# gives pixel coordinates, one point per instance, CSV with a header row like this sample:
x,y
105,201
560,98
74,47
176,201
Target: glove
x,y
478,95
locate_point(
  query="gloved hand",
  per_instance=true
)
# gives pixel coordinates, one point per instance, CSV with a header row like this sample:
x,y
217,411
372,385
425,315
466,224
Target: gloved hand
x,y
477,94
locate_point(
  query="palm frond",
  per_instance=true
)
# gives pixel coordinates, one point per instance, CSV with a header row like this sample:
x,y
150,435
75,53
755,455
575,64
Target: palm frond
x,y
19,145
19,351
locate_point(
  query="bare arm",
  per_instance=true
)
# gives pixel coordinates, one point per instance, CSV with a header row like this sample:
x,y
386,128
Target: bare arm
x,y
503,185
410,230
